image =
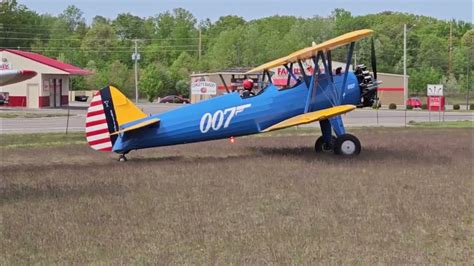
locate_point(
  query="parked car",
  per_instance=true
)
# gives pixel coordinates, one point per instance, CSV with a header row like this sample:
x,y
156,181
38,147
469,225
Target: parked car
x,y
174,99
81,98
414,102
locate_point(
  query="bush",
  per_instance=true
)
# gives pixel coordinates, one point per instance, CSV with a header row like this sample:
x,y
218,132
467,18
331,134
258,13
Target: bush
x,y
424,106
456,107
409,107
392,106
471,106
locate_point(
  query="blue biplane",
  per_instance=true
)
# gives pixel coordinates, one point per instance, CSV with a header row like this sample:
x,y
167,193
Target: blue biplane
x,y
115,124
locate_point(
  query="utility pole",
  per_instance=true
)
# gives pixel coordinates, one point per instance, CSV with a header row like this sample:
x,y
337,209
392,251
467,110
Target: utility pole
x,y
200,44
405,81
468,82
136,57
450,64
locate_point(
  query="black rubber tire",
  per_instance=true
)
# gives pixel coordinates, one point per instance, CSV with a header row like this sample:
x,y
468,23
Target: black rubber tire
x,y
320,146
347,145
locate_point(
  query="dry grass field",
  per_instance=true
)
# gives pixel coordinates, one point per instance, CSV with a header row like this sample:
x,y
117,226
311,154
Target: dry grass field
x,y
263,200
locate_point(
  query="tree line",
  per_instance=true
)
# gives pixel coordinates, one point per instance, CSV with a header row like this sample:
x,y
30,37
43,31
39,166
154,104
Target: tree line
x,y
173,44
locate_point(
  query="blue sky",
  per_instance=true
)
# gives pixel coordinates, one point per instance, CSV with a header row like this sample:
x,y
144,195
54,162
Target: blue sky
x,y
251,9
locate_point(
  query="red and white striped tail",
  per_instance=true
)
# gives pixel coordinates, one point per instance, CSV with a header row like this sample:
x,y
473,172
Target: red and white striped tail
x,y
97,131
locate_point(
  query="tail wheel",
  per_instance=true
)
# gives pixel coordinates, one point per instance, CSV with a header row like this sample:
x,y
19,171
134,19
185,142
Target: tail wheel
x,y
347,145
321,146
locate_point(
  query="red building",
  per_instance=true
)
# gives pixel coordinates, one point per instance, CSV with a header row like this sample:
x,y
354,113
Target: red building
x,y
50,88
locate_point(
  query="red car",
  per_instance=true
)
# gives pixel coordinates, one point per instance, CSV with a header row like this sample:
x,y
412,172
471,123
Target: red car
x,y
414,102
174,99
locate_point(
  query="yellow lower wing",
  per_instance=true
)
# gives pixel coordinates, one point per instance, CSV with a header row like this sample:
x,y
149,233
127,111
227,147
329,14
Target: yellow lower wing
x,y
311,117
137,126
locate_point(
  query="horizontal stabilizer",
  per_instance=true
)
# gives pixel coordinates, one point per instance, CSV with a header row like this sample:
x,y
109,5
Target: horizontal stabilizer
x,y
311,117
137,126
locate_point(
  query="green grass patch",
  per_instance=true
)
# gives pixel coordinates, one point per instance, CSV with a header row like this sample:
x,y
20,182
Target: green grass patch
x,y
41,139
450,124
29,115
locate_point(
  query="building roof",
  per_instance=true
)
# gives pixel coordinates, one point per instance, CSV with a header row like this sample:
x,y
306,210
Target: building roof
x,y
73,70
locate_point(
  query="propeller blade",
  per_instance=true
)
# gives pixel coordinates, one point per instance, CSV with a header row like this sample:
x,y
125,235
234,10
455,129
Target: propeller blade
x,y
373,59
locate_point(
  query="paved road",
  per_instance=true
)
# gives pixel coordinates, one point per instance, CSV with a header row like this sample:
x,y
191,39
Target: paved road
x,y
366,117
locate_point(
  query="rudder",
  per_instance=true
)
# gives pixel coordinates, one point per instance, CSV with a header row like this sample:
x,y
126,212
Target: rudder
x,y
108,110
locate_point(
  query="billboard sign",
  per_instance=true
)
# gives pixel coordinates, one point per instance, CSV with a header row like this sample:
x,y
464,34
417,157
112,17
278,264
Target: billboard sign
x,y
203,88
434,90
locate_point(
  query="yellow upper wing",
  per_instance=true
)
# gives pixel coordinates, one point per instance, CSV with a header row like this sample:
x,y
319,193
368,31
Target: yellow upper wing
x,y
309,52
311,117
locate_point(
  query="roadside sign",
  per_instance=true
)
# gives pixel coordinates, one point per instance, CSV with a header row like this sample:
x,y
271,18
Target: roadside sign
x,y
203,88
434,90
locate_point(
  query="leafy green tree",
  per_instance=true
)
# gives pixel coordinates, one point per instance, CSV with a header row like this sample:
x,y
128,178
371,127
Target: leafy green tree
x,y
78,83
450,84
432,52
128,26
224,23
175,32
468,42
419,78
100,20
182,87
227,49
99,44
182,66
18,25
343,20
119,76
461,62
155,82
73,17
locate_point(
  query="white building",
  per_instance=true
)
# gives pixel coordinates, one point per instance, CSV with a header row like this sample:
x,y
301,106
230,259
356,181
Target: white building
x,y
49,88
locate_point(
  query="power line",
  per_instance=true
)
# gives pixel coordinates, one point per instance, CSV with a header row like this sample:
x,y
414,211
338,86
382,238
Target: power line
x,y
106,51
102,47
76,39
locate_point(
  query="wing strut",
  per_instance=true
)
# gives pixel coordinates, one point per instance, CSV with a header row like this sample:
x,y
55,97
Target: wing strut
x,y
305,76
290,74
328,53
348,61
328,71
225,84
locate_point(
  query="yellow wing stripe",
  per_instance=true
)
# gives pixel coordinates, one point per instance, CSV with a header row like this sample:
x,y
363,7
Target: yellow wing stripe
x,y
139,125
125,110
311,51
311,117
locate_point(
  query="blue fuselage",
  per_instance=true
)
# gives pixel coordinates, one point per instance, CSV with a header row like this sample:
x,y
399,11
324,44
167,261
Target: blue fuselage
x,y
230,115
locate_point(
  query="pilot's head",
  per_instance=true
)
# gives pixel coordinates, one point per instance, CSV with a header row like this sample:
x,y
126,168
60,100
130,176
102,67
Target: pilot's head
x,y
248,84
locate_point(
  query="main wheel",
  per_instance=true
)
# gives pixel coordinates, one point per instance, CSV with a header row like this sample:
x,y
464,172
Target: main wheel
x,y
321,146
122,158
347,145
